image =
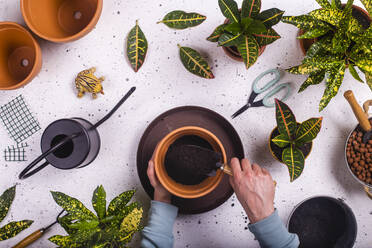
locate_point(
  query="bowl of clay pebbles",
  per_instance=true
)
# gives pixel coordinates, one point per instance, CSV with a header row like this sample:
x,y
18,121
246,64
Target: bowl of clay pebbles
x,y
359,158
182,171
323,222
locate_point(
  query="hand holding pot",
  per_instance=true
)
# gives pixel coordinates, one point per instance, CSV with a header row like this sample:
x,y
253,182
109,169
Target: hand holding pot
x,y
254,188
160,193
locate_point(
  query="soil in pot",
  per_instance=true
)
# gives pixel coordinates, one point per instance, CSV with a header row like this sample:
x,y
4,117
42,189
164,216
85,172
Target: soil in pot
x,y
322,223
306,149
359,155
190,170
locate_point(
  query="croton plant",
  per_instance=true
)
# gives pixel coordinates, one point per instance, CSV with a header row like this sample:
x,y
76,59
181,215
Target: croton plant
x,y
110,227
12,228
341,42
247,29
292,137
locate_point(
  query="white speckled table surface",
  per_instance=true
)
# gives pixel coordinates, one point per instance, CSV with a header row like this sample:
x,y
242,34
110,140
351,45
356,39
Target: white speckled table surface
x,y
163,83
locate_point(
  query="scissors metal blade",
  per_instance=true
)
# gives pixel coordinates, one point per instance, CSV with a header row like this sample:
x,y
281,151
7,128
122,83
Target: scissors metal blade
x,y
240,111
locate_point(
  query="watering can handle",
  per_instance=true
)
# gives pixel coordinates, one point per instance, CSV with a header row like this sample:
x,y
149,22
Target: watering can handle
x,y
27,171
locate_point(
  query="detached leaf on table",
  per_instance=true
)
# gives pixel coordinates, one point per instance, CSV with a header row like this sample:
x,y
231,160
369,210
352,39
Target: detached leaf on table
x,y
195,63
179,19
13,228
136,47
6,200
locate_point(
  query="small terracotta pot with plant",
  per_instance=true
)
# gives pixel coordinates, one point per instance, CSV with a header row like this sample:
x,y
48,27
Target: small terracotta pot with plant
x,y
291,142
342,39
246,32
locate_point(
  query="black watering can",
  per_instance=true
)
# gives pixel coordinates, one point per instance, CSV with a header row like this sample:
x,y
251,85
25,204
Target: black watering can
x,y
70,143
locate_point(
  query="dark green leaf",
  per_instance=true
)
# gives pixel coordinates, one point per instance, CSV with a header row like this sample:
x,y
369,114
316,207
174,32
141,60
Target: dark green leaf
x,y
354,73
228,40
233,28
229,9
136,47
86,224
318,49
368,5
365,64
354,27
324,4
255,27
6,200
179,19
64,241
304,22
13,228
340,42
195,63
334,81
308,130
331,16
295,161
251,8
65,221
99,202
73,206
314,78
246,22
248,49
285,119
119,202
336,4
369,79
322,63
348,5
267,37
270,17
315,33
281,140
217,33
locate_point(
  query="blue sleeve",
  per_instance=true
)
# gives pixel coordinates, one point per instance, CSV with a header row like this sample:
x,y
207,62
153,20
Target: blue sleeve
x,y
159,231
271,233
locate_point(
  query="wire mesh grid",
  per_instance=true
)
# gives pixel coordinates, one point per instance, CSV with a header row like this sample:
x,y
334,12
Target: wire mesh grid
x,y
16,154
18,119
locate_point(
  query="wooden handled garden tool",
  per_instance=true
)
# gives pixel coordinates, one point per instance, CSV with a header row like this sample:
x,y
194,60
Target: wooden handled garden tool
x,y
36,235
360,115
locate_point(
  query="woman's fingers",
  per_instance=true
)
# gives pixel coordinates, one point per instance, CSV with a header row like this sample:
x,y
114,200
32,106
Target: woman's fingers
x,y
235,167
151,174
246,166
256,169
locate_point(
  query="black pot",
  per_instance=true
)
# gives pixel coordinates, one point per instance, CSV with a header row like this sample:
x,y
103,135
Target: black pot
x,y
323,222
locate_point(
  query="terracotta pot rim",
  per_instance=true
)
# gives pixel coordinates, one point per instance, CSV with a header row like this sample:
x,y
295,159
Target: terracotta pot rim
x,y
93,22
300,31
237,57
38,57
170,184
272,152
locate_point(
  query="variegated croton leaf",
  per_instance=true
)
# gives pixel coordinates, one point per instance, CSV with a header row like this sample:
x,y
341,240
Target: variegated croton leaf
x,y
369,79
368,5
13,228
324,4
136,47
179,19
307,131
270,17
305,22
354,73
250,8
334,81
281,140
314,78
229,9
116,225
214,37
331,16
295,161
267,37
286,120
227,39
249,50
195,63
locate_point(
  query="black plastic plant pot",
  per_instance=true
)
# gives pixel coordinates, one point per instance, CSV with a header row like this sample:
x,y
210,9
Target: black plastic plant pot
x,y
323,222
277,151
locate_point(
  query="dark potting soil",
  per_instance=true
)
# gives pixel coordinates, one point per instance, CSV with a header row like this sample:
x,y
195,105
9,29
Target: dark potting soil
x,y
319,223
189,166
306,149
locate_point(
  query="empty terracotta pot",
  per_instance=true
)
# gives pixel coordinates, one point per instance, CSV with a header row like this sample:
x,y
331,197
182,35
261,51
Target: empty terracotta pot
x,y
20,56
61,20
180,190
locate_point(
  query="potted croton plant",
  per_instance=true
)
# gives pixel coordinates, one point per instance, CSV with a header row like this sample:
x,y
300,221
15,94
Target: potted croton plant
x,y
246,31
111,227
291,142
340,38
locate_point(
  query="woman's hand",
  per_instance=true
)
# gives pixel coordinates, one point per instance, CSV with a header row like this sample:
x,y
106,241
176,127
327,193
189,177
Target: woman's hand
x,y
160,193
254,188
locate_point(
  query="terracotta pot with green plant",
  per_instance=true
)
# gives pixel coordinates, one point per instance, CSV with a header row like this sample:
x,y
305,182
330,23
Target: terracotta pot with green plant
x,y
113,226
291,142
246,31
342,39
